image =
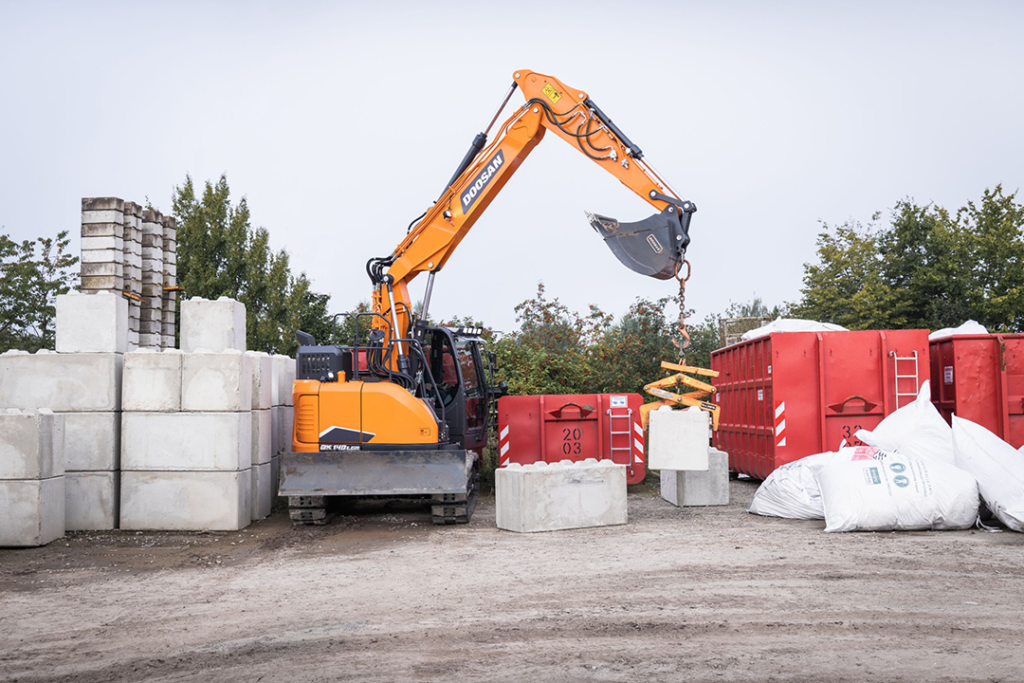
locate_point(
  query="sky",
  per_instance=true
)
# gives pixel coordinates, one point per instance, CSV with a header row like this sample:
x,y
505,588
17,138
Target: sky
x,y
341,121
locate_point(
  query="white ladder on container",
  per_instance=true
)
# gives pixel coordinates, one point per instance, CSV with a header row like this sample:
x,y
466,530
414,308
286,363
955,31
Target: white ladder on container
x,y
628,417
896,368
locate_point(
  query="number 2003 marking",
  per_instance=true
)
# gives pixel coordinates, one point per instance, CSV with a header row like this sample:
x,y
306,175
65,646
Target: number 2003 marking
x,y
571,441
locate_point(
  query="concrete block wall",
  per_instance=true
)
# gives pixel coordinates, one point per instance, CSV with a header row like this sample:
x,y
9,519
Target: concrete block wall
x,y
195,431
564,495
82,385
31,477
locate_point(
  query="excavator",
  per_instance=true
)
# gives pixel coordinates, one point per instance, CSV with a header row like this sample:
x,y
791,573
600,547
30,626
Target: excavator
x,y
403,408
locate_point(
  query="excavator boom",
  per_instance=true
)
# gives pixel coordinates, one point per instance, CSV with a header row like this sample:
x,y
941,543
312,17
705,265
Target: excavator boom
x,y
654,246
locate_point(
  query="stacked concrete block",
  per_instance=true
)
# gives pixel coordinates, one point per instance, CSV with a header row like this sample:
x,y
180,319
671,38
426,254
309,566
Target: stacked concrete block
x,y
264,455
102,262
31,477
133,270
152,318
564,495
283,417
186,439
212,325
170,302
688,488
90,325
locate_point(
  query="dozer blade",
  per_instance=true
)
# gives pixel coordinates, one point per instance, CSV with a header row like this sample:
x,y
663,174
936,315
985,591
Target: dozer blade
x,y
653,246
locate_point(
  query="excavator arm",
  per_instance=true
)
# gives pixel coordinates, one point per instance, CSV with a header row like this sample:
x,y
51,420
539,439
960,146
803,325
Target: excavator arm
x,y
655,246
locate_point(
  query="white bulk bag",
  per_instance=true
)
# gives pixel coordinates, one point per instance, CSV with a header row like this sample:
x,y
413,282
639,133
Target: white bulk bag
x,y
998,467
916,430
791,491
897,493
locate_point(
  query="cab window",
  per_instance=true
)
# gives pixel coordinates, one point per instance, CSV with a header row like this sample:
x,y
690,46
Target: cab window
x,y
470,374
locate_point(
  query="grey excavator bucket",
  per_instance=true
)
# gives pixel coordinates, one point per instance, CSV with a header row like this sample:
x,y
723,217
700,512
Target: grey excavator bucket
x,y
653,246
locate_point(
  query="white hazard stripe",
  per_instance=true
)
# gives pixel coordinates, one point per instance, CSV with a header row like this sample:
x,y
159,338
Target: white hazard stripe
x,y
638,429
638,459
638,444
780,410
782,443
504,432
781,428
504,449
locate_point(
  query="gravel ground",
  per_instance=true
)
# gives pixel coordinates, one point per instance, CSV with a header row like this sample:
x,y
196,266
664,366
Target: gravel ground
x,y
382,595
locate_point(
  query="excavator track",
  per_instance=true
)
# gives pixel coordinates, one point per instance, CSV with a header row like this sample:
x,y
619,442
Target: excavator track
x,y
309,510
456,508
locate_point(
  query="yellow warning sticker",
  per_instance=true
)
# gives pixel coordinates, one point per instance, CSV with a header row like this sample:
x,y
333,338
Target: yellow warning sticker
x,y
551,93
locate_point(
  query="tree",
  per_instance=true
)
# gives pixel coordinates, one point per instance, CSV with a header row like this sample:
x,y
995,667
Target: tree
x,y
846,286
220,253
32,274
927,269
629,354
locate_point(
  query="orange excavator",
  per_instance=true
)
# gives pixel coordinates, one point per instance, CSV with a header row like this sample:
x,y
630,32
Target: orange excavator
x,y
403,409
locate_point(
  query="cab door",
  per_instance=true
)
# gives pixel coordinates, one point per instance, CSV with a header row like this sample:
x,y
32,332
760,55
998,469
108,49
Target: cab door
x,y
474,384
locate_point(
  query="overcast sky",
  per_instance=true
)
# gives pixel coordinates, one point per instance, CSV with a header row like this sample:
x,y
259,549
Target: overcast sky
x,y
342,121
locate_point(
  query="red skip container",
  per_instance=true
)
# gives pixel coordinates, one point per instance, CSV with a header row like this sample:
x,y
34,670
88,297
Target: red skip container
x,y
788,395
981,378
572,427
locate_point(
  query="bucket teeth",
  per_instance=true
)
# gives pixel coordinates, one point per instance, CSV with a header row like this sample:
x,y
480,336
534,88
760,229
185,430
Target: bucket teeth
x,y
602,224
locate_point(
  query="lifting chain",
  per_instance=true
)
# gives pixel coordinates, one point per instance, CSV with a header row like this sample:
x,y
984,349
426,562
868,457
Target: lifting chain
x,y
684,335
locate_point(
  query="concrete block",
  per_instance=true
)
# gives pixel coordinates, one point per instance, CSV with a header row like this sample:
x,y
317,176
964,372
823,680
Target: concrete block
x,y
102,270
31,511
275,430
284,371
94,242
64,382
92,323
113,283
565,495
151,341
692,488
102,217
92,441
91,500
152,381
275,477
262,372
263,446
31,444
186,501
102,256
186,441
285,426
102,230
104,204
678,440
262,491
213,325
216,381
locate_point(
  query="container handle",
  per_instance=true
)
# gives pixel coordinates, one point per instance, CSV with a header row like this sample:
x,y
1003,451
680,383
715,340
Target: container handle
x,y
583,410
839,407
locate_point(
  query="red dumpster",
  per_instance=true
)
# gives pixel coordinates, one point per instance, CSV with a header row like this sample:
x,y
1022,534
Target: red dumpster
x,y
980,377
572,427
788,395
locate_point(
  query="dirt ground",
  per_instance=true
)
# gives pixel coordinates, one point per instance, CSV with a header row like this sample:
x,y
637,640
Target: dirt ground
x,y
707,594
